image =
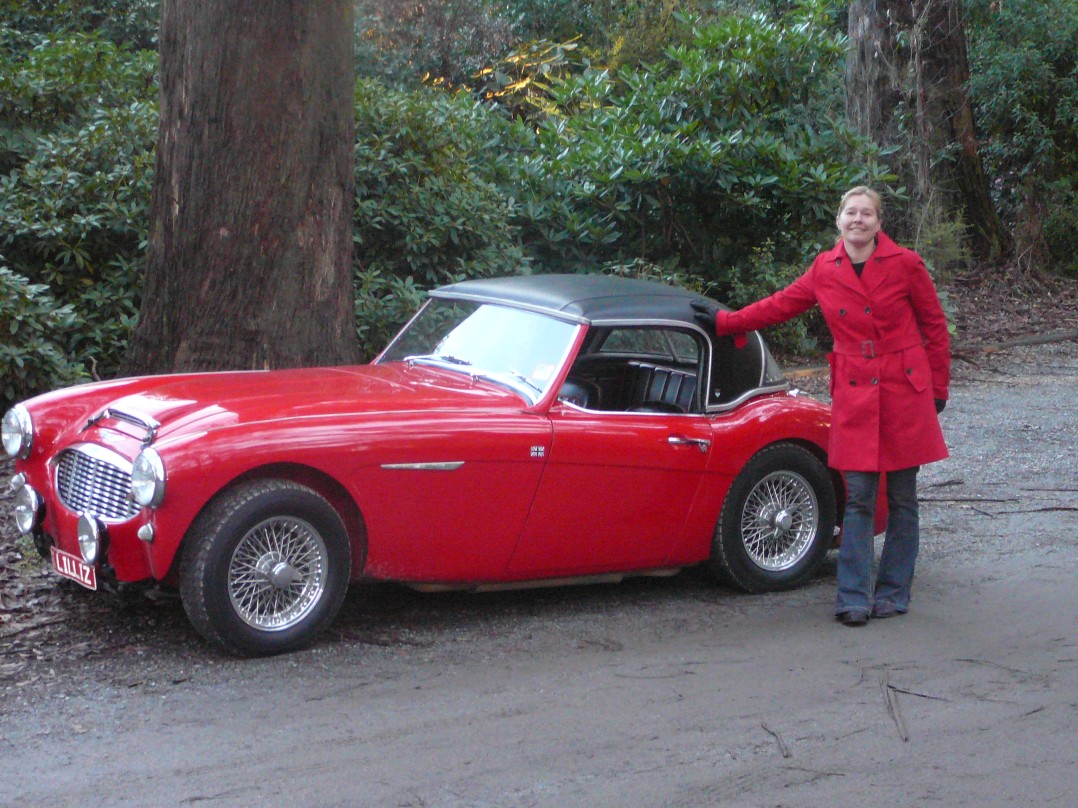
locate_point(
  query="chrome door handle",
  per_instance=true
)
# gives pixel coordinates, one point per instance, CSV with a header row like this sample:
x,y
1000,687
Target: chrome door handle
x,y
680,440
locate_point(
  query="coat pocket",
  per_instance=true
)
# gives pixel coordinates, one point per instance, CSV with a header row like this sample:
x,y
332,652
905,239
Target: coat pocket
x,y
916,368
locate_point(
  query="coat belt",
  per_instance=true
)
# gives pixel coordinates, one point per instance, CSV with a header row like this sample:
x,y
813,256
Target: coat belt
x,y
869,348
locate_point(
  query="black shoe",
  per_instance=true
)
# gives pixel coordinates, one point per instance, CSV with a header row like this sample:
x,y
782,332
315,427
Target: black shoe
x,y
852,618
881,611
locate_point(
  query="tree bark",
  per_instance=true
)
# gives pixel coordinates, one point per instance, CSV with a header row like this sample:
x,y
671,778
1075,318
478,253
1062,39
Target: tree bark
x,y
906,82
250,251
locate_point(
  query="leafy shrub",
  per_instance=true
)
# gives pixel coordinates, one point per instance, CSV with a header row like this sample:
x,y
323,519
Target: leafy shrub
x,y
129,22
940,239
1061,229
384,303
77,133
432,205
1024,82
401,42
700,158
32,327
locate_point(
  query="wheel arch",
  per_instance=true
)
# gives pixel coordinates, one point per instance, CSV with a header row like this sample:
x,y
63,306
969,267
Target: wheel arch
x,y
318,481
728,559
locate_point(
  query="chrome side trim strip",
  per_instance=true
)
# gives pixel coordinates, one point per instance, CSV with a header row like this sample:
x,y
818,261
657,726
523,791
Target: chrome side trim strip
x,y
451,465
756,391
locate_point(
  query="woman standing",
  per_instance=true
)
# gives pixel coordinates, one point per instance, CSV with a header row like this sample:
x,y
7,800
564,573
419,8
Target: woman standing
x,y
890,369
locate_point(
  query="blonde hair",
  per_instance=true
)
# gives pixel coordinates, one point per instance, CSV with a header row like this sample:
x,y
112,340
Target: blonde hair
x,y
861,190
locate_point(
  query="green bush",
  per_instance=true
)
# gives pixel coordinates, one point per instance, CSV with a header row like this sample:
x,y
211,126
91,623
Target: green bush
x,y
33,329
730,142
78,123
1024,85
432,204
403,42
132,23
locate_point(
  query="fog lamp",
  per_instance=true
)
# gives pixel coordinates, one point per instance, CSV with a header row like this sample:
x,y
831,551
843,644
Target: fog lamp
x,y
28,507
91,537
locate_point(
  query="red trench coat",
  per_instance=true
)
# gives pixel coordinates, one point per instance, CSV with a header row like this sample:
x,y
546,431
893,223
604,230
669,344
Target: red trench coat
x,y
891,356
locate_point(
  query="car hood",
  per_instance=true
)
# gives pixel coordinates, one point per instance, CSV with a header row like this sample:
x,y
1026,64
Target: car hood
x,y
180,403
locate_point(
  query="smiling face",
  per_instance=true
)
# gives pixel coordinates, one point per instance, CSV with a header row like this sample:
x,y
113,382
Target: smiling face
x,y
858,223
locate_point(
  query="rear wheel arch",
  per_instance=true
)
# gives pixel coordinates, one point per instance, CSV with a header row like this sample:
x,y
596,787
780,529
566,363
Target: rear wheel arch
x,y
777,520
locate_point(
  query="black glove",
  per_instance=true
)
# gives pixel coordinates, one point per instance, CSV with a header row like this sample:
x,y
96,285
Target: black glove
x,y
940,404
704,311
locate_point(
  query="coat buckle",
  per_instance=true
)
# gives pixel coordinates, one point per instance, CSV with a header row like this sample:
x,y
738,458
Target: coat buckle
x,y
868,349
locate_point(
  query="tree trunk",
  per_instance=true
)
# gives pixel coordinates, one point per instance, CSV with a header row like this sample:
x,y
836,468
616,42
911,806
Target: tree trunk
x,y
250,253
906,88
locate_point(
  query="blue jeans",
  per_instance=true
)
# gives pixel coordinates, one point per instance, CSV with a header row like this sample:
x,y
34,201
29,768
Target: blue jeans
x,y
855,555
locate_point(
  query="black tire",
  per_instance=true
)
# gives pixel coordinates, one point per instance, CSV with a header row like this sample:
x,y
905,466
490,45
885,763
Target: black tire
x,y
265,568
778,521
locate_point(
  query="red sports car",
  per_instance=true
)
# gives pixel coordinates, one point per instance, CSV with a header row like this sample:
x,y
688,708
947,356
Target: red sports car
x,y
549,428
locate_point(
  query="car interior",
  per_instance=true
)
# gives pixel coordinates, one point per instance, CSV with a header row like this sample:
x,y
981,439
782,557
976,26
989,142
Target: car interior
x,y
657,370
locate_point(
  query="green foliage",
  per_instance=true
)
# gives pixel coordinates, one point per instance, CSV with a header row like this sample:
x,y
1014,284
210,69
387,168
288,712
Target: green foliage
x,y
432,202
625,32
728,142
384,303
78,123
32,328
1061,230
1024,84
939,237
127,22
521,81
402,42
764,273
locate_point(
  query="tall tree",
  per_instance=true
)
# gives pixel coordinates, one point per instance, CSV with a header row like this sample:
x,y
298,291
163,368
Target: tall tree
x,y
906,80
250,252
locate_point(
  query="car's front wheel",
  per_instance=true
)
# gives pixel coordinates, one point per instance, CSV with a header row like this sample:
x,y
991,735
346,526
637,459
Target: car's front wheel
x,y
778,521
265,568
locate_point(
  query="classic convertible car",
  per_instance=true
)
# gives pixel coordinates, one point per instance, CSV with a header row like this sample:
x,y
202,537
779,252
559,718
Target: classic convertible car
x,y
543,429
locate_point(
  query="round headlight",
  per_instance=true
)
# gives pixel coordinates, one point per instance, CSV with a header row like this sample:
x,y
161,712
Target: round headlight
x,y
89,533
18,431
148,479
27,508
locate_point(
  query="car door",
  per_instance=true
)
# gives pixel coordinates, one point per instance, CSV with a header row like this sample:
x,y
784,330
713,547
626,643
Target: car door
x,y
448,497
615,492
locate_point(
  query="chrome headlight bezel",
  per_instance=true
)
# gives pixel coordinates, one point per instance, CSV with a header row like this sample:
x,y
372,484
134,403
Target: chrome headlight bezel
x,y
18,432
148,479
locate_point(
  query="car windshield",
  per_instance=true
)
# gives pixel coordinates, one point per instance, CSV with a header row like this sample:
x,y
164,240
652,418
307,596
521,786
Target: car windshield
x,y
520,349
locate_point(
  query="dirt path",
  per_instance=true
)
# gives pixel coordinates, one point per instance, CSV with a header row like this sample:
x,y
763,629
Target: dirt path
x,y
650,693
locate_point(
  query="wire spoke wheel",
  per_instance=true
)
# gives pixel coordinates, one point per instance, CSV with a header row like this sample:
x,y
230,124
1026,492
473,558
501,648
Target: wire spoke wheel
x,y
277,573
777,522
780,519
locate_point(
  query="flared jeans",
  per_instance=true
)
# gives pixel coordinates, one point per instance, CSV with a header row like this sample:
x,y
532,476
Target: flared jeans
x,y
894,577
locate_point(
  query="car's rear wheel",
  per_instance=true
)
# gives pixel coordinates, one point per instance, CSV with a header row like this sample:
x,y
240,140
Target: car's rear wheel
x,y
778,521
265,568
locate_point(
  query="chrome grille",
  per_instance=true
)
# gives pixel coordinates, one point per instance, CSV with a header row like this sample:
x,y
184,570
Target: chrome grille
x,y
96,480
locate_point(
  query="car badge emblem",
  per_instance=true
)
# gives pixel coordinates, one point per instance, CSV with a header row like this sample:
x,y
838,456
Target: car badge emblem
x,y
538,451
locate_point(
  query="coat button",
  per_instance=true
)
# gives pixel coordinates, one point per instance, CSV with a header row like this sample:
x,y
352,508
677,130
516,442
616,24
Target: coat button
x,y
853,382
842,312
868,310
875,380
909,371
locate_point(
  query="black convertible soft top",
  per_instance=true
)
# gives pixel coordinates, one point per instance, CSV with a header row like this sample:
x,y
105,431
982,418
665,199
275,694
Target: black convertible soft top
x,y
606,301
594,299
